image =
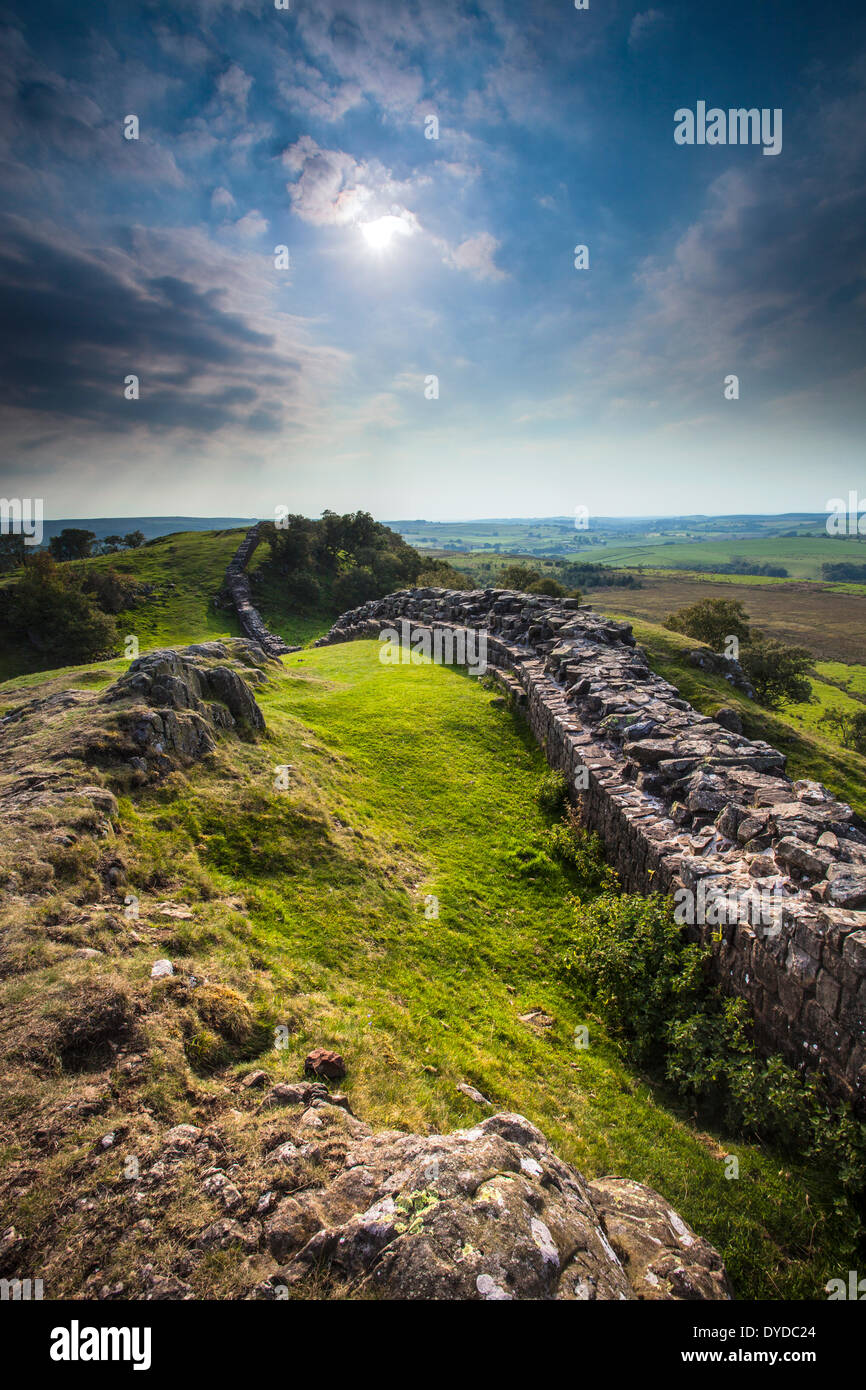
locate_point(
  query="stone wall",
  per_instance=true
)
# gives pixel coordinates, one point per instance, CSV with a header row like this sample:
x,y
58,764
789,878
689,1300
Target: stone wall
x,y
237,586
684,803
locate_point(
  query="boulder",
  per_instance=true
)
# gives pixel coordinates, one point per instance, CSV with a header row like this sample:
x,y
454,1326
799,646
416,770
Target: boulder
x,y
486,1214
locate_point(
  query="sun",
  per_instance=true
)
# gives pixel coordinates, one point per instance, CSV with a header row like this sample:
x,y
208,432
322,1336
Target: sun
x,y
379,233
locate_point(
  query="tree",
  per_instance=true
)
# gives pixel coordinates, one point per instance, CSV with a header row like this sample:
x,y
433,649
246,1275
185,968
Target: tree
x,y
133,539
355,587
850,728
12,551
711,621
777,672
72,544
549,586
518,577
48,608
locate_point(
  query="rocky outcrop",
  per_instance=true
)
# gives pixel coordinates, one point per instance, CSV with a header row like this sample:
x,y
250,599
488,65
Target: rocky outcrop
x,y
770,871
489,1213
237,586
178,699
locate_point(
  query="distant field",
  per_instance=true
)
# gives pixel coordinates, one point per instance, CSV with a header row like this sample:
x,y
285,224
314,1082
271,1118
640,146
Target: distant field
x,y
801,556
831,623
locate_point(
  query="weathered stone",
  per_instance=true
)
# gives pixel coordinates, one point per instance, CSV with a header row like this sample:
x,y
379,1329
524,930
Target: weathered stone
x,y
322,1062
662,1256
806,858
490,1214
847,886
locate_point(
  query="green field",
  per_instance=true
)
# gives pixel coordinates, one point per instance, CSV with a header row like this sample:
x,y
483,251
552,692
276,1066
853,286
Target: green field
x,y
802,557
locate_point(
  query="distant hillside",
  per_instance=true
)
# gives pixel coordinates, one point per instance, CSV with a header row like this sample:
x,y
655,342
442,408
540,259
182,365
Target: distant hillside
x,y
150,526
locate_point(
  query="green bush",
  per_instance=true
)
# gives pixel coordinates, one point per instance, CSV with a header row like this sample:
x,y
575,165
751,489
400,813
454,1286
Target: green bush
x,y
778,672
712,621
551,794
583,851
46,607
657,995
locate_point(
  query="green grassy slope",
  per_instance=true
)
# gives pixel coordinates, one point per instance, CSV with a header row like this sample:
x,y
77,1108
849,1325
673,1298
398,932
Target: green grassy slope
x,y
406,783
186,570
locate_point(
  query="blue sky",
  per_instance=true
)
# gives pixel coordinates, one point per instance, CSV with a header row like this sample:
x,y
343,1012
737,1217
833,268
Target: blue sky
x,y
413,257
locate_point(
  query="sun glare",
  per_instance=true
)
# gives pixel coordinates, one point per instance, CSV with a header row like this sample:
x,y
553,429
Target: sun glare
x,y
379,233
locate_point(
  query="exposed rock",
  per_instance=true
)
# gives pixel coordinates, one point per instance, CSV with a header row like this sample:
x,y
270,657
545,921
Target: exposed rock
x,y
473,1094
729,719
488,1213
322,1062
662,1256
847,886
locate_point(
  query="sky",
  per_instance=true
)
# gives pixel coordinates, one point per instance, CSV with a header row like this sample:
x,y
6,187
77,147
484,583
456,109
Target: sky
x,y
424,345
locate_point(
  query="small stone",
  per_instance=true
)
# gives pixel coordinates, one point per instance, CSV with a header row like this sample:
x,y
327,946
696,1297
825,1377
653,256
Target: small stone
x,y
322,1062
255,1079
472,1093
161,970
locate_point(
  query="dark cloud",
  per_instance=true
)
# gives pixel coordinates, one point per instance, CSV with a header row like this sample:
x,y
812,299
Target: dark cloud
x,y
72,328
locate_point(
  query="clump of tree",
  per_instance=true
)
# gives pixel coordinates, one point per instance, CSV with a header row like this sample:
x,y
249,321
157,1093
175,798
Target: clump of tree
x,y
50,608
738,565
74,543
586,575
531,581
339,562
845,572
110,545
850,729
13,551
713,621
777,672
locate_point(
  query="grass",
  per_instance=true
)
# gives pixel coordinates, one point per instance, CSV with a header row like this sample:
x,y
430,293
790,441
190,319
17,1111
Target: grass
x,y
406,784
186,571
313,909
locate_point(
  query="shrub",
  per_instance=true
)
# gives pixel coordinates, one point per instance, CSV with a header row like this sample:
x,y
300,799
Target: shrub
x,y
778,672
46,607
711,621
548,586
849,728
354,587
582,851
551,794
658,998
303,590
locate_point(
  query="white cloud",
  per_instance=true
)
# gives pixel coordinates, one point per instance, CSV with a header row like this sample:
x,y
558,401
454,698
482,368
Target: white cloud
x,y
221,200
475,255
252,224
642,24
233,89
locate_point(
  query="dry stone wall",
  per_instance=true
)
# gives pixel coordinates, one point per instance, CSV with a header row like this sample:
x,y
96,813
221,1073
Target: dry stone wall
x,y
771,872
237,586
